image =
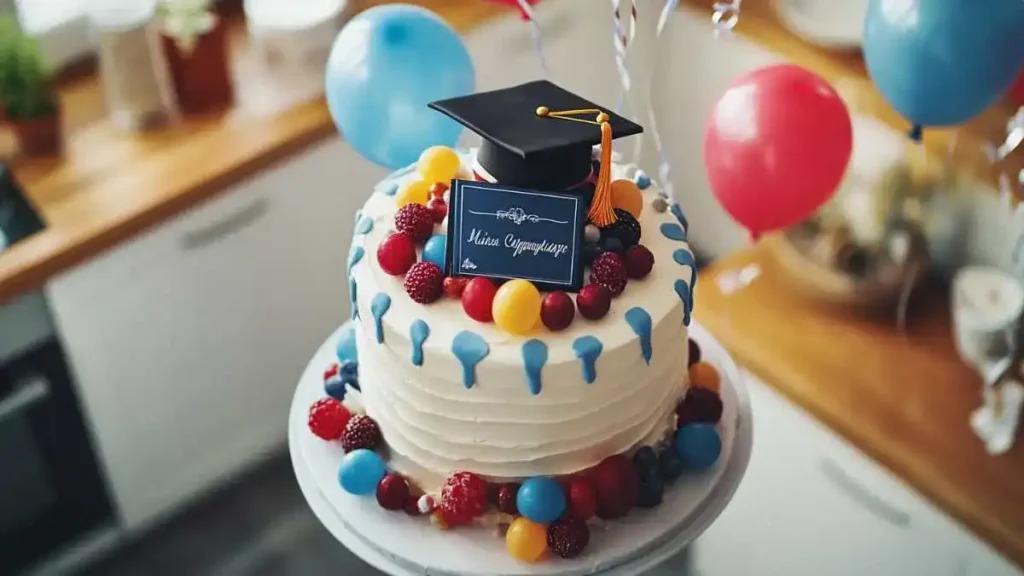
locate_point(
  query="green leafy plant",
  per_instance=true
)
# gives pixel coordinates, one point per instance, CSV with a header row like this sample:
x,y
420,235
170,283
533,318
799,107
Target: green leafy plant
x,y
26,79
185,21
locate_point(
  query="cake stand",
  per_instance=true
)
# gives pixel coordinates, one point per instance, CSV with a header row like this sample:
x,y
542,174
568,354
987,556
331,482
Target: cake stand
x,y
403,546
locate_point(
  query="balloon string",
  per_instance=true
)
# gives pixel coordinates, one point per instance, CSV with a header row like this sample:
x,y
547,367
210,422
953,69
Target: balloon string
x,y
621,41
664,167
535,31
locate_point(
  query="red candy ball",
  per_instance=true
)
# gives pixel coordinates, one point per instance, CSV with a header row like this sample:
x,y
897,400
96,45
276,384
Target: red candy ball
x,y
477,299
392,492
639,261
557,311
617,485
594,300
396,254
439,208
582,499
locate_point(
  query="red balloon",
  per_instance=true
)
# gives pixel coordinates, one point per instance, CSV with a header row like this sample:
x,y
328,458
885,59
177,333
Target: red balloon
x,y
776,147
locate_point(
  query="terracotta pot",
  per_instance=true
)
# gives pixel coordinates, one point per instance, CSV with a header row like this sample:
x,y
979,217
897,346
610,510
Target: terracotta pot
x,y
39,137
202,77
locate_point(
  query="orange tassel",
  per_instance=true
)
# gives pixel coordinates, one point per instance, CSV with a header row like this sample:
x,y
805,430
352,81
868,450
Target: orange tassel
x,y
602,213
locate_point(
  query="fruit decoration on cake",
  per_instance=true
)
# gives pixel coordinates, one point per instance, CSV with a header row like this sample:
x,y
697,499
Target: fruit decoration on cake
x,y
533,259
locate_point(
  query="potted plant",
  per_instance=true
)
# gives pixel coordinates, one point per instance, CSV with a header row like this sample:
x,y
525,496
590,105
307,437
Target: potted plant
x,y
195,41
28,98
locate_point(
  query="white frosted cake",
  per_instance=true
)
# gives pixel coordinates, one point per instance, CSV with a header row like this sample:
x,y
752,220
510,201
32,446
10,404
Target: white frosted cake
x,y
518,351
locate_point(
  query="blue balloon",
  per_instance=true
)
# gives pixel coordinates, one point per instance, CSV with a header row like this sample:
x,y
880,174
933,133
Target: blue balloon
x,y
347,343
434,249
541,499
942,62
699,446
386,65
361,470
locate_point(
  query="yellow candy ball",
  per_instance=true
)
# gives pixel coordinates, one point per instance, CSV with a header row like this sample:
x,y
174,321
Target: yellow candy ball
x,y
415,192
627,196
516,307
526,541
438,164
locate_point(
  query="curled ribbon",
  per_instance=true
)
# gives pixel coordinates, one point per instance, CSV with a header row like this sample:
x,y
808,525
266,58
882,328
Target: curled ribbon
x,y
726,15
622,38
538,43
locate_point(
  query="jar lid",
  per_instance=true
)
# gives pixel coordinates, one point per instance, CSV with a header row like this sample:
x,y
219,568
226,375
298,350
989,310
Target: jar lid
x,y
113,15
291,15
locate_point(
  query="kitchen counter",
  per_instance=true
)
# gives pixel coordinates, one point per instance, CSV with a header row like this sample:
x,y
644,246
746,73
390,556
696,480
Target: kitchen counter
x,y
905,400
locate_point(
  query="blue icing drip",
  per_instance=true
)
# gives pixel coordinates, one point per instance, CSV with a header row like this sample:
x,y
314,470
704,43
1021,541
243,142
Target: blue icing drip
x,y
379,306
364,225
346,349
673,232
588,349
470,349
677,211
418,333
685,258
359,214
352,297
640,321
391,190
354,256
535,355
684,294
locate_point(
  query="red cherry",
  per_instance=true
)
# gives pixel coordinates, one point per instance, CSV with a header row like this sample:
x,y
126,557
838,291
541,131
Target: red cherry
x,y
392,492
594,300
477,299
639,261
507,498
582,499
616,485
557,311
439,208
396,254
437,190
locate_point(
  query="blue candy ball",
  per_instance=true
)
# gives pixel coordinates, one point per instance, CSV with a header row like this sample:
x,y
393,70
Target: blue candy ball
x,y
434,249
699,446
348,368
335,388
643,181
541,500
347,344
361,471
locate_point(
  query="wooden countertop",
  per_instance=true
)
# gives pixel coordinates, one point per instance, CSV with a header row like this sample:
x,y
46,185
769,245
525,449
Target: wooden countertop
x,y
110,185
905,400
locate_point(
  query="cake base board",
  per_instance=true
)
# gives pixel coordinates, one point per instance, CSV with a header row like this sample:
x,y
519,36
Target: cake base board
x,y
402,546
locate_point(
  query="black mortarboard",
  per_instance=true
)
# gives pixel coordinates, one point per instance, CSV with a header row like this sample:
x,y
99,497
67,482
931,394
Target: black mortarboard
x,y
524,149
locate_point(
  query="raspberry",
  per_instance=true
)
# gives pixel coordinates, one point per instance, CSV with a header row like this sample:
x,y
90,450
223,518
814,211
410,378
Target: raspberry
x,y
463,498
582,500
361,432
392,492
617,485
593,301
328,418
423,282
625,228
396,254
609,271
454,287
507,498
568,537
416,220
639,261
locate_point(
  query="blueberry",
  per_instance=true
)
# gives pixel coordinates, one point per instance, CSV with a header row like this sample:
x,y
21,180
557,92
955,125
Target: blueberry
x,y
349,368
335,388
352,381
652,489
611,244
646,460
590,252
670,465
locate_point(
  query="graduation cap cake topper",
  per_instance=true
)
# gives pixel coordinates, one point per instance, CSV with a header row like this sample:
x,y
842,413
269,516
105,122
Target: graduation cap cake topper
x,y
550,151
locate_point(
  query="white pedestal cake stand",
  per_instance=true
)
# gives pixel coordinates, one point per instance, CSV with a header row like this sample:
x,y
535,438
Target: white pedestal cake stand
x,y
403,546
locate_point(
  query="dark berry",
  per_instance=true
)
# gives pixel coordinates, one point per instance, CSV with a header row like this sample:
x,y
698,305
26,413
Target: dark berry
x,y
335,388
424,282
639,261
670,465
568,537
361,432
652,489
625,228
590,253
611,244
392,492
348,368
694,352
609,271
645,460
700,405
415,220
507,498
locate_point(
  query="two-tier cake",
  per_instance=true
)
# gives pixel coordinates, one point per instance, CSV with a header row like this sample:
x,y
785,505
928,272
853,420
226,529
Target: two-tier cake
x,y
518,350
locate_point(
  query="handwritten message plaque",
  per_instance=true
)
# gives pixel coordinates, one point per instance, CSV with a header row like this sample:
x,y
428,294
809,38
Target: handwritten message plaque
x,y
504,232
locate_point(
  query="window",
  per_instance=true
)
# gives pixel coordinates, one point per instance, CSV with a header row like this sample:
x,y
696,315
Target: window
x,y
60,25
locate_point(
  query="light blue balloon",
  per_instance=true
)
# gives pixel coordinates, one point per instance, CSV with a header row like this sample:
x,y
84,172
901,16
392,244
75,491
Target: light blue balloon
x,y
942,62
541,500
434,249
347,343
386,65
360,472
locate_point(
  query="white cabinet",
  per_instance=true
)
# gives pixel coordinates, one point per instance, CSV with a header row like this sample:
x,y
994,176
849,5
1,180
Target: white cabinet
x,y
811,505
187,342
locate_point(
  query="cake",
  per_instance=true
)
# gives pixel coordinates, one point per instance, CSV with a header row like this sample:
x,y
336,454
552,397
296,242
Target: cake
x,y
536,382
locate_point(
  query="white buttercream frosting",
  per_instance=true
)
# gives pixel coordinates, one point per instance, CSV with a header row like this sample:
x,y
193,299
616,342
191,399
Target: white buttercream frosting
x,y
434,425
